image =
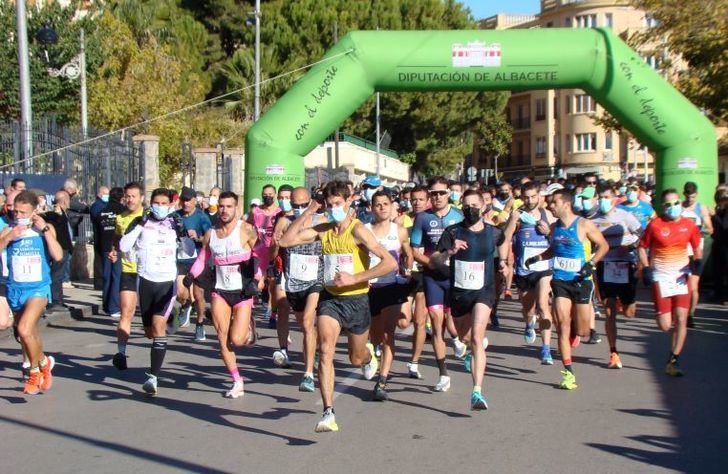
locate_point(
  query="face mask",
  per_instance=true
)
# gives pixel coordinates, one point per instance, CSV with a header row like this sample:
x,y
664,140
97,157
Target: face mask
x,y
605,205
454,196
528,219
105,197
285,204
337,214
160,212
471,215
578,205
405,204
622,189
632,196
587,204
673,212
213,201
267,200
504,197
487,208
368,194
298,212
24,221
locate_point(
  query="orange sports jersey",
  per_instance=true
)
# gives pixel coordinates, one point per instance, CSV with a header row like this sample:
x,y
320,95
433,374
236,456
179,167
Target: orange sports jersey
x,y
668,241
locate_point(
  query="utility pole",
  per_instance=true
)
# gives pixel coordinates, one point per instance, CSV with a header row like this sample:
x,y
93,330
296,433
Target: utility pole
x,y
26,114
257,60
84,103
336,132
378,160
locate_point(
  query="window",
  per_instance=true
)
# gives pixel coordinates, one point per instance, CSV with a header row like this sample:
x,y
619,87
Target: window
x,y
508,114
540,147
584,104
609,20
540,109
586,142
556,107
568,104
520,152
586,21
569,146
556,145
608,141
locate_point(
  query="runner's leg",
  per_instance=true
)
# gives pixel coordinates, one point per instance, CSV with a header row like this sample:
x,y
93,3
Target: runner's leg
x,y
328,333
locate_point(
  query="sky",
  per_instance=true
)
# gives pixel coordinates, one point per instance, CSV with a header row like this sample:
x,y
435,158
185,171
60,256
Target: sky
x,y
485,8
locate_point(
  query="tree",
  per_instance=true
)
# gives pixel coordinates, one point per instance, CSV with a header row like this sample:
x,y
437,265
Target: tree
x,y
697,31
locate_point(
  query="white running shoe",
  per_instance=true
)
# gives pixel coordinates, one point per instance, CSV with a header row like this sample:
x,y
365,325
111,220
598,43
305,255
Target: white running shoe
x,y
280,359
485,343
115,315
150,386
460,348
236,391
370,370
413,370
443,384
183,317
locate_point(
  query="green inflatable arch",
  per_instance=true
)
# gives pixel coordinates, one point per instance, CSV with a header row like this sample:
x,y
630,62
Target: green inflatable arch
x,y
594,60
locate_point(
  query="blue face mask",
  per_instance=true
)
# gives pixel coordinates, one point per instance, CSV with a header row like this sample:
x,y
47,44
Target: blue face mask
x,y
578,203
369,193
586,204
298,212
605,205
632,196
24,221
622,189
454,196
159,211
405,204
528,219
105,197
673,212
337,214
285,204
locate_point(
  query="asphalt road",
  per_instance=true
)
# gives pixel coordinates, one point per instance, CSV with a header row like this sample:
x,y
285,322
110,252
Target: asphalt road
x,y
96,419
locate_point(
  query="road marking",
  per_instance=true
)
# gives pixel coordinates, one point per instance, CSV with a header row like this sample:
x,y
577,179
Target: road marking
x,y
344,386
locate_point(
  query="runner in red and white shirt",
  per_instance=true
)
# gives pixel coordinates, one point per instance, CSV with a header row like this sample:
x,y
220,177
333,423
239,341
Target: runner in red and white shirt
x,y
668,267
263,219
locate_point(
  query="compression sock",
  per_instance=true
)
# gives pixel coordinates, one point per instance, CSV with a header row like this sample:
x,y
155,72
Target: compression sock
x,y
441,366
567,365
159,350
235,374
121,348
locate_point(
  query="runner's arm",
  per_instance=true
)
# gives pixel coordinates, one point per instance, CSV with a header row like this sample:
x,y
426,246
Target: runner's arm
x,y
695,238
278,232
296,234
127,242
596,237
406,248
201,261
416,243
707,222
511,225
54,248
364,237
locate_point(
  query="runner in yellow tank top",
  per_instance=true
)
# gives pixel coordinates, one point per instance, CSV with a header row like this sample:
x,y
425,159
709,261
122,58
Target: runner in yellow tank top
x,y
344,303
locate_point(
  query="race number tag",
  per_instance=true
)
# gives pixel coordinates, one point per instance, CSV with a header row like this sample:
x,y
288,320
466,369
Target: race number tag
x,y
335,263
161,260
469,275
616,272
567,264
304,267
228,277
26,268
540,266
673,287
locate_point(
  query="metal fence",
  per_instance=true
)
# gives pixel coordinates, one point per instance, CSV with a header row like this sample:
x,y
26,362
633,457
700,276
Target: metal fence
x,y
109,160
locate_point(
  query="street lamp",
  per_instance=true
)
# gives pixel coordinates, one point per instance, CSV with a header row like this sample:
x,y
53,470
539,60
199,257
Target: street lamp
x,y
75,68
254,18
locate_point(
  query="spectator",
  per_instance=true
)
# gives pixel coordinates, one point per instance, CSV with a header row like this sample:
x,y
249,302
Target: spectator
x,y
102,198
18,184
76,208
212,206
719,252
111,271
58,218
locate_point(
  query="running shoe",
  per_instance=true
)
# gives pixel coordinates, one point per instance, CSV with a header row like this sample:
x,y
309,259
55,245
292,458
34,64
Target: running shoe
x,y
459,348
200,333
568,380
252,333
150,386
378,351
673,369
468,362
25,369
316,359
236,391
594,337
33,384
614,361
280,359
119,361
443,384
508,294
183,316
116,315
46,371
529,334
691,322
494,321
546,358
477,401
574,341
307,384
272,320
380,392
328,422
370,369
485,343
413,370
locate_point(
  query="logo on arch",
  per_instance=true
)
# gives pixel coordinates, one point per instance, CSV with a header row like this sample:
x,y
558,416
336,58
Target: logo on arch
x,y
476,54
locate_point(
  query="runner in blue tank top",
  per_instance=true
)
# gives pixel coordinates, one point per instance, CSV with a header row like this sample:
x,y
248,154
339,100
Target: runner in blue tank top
x,y
572,283
530,228
30,244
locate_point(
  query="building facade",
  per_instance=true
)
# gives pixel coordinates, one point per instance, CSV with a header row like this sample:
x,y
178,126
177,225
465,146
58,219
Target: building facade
x,y
554,133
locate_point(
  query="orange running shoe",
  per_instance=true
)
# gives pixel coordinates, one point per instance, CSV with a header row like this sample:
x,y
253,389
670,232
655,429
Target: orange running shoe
x,y
46,371
614,361
508,294
32,385
574,340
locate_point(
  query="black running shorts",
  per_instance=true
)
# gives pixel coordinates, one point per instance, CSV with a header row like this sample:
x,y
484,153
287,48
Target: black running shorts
x,y
352,312
578,291
156,299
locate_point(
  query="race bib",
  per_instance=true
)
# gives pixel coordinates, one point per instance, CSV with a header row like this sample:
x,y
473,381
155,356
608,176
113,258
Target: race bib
x,y
616,272
469,275
567,264
673,287
304,267
228,278
161,260
540,266
26,268
335,263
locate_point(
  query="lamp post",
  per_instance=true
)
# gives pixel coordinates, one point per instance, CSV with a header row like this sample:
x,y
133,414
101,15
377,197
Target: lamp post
x,y
26,113
254,19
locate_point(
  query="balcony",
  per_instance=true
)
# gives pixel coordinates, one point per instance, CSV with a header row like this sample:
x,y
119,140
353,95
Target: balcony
x,y
521,123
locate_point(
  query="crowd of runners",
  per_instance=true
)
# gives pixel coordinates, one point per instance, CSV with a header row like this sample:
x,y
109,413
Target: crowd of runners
x,y
367,261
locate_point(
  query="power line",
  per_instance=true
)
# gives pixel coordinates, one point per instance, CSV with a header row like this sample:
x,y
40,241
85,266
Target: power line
x,y
178,111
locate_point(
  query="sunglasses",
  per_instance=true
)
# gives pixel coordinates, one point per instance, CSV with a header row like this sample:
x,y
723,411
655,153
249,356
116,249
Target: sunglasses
x,y
438,192
671,203
591,183
300,206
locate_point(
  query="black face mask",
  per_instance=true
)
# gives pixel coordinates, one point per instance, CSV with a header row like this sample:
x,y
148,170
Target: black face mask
x,y
471,214
268,200
504,196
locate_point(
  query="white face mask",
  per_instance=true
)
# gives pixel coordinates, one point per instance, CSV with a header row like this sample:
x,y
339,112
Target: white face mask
x,y
213,200
24,221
